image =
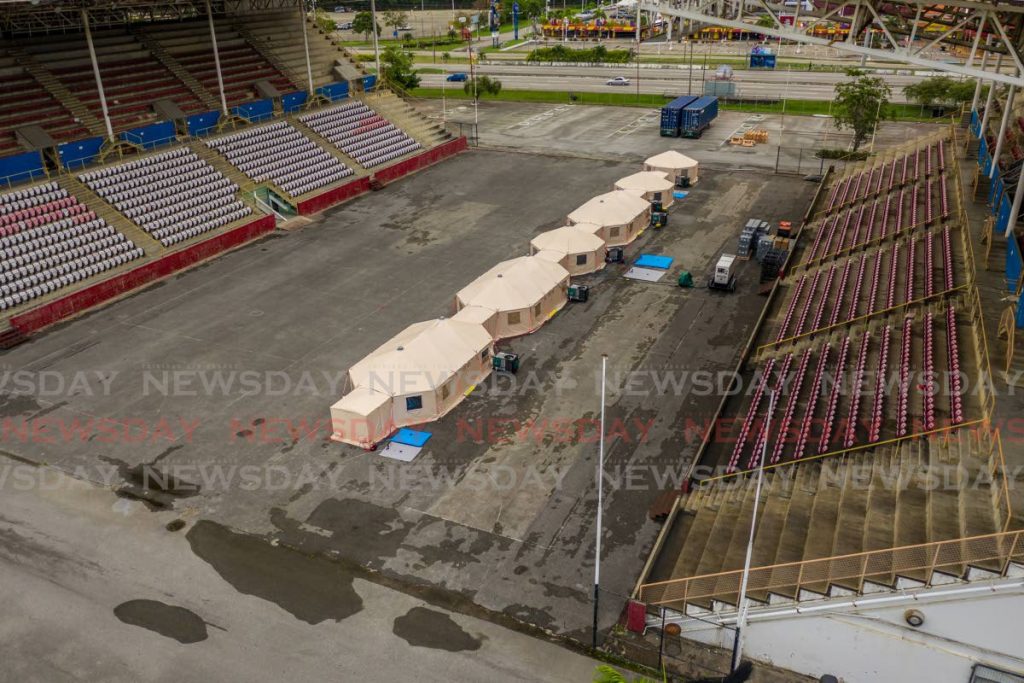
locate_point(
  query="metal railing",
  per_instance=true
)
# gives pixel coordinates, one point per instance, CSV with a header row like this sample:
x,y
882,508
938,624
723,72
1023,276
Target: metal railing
x,y
995,550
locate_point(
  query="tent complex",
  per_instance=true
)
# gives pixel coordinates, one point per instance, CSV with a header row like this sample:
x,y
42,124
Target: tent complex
x,y
576,250
654,186
675,165
416,376
524,292
616,217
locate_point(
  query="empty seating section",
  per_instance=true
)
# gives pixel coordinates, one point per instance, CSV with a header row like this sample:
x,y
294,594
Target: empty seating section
x,y
173,196
281,154
836,293
49,240
877,293
24,102
241,64
133,79
361,133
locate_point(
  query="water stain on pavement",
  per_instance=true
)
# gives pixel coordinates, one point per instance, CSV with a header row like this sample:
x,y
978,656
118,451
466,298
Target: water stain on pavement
x,y
170,621
311,589
150,485
422,627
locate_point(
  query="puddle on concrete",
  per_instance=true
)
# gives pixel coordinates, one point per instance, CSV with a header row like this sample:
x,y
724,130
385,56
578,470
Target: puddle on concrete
x,y
422,627
170,621
311,589
150,485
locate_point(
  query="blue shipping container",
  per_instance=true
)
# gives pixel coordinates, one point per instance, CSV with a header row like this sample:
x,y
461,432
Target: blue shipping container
x,y
697,116
672,115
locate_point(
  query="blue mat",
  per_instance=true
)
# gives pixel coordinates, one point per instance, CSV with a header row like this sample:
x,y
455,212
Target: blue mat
x,y
411,437
680,195
654,261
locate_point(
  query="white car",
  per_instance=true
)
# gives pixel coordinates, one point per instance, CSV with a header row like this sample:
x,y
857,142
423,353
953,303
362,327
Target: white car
x,y
618,80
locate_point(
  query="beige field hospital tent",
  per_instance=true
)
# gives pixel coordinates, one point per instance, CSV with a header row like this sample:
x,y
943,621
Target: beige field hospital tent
x,y
524,292
674,165
416,376
654,186
618,216
576,250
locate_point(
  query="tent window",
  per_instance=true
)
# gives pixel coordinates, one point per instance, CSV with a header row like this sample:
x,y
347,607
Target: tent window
x,y
446,391
513,318
581,259
657,196
484,354
414,403
613,232
536,310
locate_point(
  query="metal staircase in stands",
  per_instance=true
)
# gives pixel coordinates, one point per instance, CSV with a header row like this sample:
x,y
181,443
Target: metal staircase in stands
x,y
58,90
175,67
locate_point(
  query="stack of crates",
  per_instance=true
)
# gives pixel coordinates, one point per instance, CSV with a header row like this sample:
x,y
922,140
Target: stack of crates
x,y
764,243
774,258
750,237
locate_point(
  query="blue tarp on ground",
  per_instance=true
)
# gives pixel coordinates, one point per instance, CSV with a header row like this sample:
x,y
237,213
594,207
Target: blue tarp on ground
x,y
654,261
411,437
19,168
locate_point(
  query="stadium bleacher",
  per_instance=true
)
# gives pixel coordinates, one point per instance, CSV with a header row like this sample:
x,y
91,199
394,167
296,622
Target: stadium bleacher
x,y
361,133
280,153
24,102
50,240
132,78
173,196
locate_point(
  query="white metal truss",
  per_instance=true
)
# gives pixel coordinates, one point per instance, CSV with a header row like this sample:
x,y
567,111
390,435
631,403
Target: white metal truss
x,y
65,16
960,22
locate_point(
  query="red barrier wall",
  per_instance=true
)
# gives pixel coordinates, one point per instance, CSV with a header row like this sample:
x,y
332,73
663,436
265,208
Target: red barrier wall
x,y
431,156
335,196
83,299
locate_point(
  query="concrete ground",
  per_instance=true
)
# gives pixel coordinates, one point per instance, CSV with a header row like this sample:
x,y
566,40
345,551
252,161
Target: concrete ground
x,y
220,379
628,133
97,588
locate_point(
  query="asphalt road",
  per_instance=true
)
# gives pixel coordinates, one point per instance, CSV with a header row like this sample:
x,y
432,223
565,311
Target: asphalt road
x,y
94,587
759,84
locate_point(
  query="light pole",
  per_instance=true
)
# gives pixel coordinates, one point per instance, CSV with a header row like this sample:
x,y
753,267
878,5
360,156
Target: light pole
x,y
600,502
741,617
376,45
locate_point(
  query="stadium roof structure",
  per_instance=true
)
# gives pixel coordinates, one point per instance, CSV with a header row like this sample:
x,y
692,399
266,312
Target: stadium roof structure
x,y
21,17
905,27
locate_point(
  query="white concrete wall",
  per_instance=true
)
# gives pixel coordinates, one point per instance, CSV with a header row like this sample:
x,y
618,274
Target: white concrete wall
x,y
876,644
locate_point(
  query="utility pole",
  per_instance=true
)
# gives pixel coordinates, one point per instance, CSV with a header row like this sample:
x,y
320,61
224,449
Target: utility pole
x,y
600,502
741,617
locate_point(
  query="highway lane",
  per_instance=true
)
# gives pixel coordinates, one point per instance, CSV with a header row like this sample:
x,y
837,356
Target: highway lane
x,y
788,84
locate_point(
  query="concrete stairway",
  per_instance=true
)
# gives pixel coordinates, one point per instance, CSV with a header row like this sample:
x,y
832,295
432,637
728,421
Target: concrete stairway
x,y
174,66
328,146
58,90
398,111
918,492
116,219
278,36
264,43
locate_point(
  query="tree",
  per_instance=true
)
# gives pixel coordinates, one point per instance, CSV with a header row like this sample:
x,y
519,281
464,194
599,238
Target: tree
x,y
860,104
482,85
940,90
363,23
395,19
396,68
766,21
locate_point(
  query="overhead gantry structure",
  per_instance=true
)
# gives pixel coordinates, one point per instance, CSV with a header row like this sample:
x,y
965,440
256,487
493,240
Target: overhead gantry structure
x,y
905,32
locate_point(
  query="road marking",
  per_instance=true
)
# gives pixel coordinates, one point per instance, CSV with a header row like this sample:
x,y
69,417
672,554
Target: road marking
x,y
539,118
635,125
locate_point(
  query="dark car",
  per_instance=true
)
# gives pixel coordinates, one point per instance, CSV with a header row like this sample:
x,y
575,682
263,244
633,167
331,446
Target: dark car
x,y
458,76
